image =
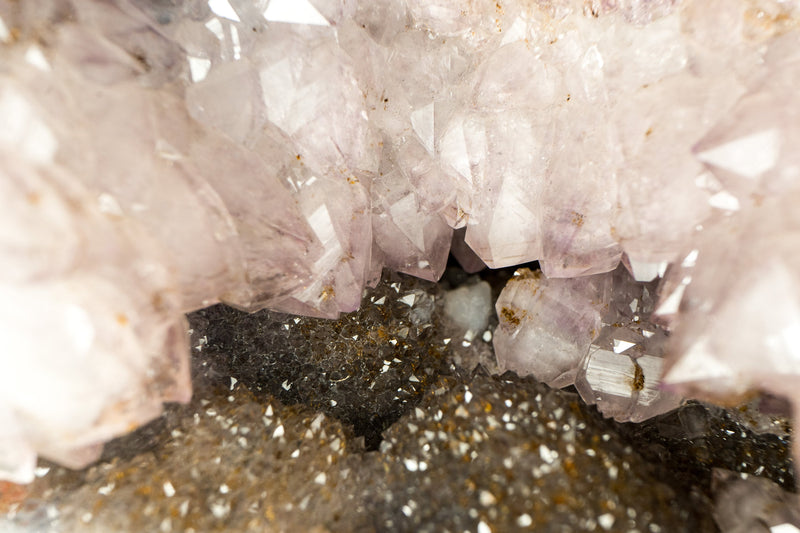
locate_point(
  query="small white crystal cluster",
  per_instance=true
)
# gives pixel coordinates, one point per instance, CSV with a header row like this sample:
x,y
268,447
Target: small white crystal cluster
x,y
158,157
594,332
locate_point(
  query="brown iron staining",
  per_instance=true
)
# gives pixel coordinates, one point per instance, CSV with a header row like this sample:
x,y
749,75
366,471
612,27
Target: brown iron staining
x,y
637,383
327,293
509,316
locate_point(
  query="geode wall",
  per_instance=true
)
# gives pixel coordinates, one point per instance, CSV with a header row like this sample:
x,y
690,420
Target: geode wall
x,y
159,157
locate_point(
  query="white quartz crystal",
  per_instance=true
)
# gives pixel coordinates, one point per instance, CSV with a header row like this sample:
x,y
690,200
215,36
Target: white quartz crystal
x,y
158,157
547,325
623,368
594,332
469,306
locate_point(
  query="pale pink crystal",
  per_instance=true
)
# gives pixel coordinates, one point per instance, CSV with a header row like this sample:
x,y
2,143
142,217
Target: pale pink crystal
x,y
547,325
108,344
594,332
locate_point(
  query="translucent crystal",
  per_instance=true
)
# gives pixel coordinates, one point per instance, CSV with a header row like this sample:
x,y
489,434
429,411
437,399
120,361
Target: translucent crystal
x,y
622,370
469,306
546,325
752,503
728,314
594,332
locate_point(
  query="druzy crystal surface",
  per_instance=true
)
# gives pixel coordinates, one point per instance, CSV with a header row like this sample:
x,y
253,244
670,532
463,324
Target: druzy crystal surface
x,y
157,158
296,425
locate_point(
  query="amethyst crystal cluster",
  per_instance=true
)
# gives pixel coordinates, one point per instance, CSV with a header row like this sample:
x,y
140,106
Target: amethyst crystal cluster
x,y
159,157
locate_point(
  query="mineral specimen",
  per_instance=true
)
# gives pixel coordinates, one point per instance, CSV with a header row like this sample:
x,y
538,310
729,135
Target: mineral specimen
x,y
275,435
546,325
160,157
754,504
477,453
390,349
622,369
593,332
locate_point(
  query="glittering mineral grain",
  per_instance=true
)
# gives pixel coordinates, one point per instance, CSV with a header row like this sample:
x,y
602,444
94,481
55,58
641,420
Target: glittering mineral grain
x,y
274,439
476,450
516,453
365,368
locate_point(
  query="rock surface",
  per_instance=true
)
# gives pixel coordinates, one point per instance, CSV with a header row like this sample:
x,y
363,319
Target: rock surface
x,y
339,446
